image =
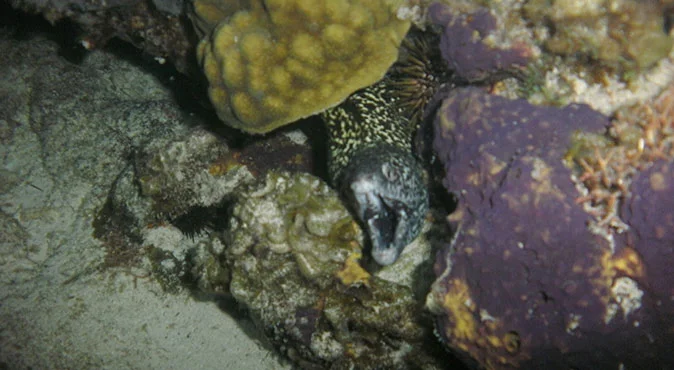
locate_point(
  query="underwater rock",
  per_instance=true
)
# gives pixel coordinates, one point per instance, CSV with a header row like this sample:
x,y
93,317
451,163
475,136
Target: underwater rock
x,y
629,35
525,283
468,44
649,212
197,170
74,293
293,250
154,26
164,212
503,128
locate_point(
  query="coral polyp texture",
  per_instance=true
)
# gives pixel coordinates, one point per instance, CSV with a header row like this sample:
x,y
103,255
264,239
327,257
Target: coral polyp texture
x,y
273,62
526,281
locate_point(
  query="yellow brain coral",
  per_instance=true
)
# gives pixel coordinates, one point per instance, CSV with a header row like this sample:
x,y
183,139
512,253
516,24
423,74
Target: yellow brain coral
x,y
274,61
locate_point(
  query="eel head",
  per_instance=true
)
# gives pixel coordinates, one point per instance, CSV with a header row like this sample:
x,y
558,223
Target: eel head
x,y
385,188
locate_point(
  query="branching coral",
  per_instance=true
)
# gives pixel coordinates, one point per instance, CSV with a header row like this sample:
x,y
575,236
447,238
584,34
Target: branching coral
x,y
606,164
277,61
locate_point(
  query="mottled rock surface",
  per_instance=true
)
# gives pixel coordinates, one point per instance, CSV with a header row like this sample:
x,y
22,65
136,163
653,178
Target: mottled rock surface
x,y
293,250
68,136
526,282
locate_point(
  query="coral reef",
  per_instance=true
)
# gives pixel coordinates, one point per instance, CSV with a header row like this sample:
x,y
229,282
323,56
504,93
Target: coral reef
x,y
471,46
578,76
624,178
627,35
193,171
163,211
562,248
293,250
155,27
605,164
273,63
526,280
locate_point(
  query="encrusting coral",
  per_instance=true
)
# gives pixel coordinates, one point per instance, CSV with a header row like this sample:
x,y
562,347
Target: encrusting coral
x,y
274,62
529,280
180,175
623,34
468,47
293,252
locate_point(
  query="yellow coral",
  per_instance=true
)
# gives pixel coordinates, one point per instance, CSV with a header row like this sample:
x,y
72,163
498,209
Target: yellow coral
x,y
352,273
273,62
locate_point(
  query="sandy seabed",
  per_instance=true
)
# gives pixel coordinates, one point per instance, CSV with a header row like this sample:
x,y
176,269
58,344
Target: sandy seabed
x,y
65,132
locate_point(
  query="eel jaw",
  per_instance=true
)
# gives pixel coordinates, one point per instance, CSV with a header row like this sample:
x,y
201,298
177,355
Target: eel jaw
x,y
387,193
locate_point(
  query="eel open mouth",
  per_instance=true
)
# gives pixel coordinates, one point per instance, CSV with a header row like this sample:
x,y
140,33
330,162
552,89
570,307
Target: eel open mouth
x,y
389,198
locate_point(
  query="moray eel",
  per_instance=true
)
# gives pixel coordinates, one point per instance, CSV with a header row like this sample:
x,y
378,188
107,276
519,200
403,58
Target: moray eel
x,y
370,158
370,162
269,63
